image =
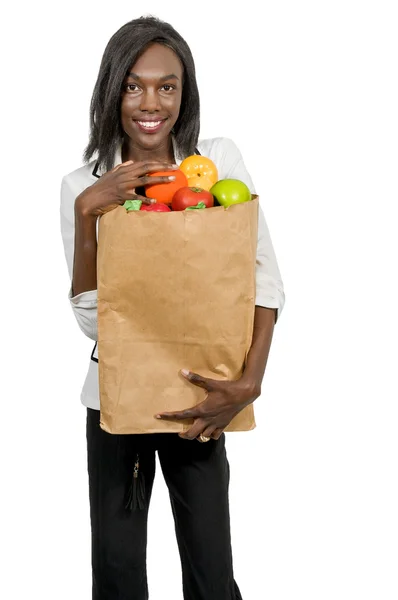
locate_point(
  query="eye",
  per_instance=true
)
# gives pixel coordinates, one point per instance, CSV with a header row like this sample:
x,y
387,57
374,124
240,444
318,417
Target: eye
x,y
129,87
168,87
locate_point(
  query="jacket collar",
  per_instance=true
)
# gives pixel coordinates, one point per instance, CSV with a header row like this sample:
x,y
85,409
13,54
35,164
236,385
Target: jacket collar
x,y
98,171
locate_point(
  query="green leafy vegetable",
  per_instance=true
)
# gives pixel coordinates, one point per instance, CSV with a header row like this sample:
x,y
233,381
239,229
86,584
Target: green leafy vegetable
x,y
132,205
200,205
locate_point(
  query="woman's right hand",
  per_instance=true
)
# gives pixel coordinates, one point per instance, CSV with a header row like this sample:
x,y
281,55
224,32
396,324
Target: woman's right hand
x,y
118,185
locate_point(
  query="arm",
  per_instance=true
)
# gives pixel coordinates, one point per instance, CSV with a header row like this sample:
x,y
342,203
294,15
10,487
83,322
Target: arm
x,y
225,399
269,285
270,296
80,208
82,293
264,320
85,251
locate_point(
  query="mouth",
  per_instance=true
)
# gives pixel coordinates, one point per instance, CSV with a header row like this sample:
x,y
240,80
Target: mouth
x,y
150,126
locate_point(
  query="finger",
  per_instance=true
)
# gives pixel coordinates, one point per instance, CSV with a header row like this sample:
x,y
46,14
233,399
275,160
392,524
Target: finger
x,y
196,429
208,432
133,196
152,180
189,413
203,382
129,183
125,164
149,166
139,169
217,433
145,200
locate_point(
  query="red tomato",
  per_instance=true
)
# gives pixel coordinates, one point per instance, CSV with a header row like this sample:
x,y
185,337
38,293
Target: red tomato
x,y
156,207
164,192
191,196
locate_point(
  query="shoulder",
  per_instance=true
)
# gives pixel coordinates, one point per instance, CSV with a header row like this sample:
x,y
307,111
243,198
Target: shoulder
x,y
228,159
223,152
217,148
73,184
82,177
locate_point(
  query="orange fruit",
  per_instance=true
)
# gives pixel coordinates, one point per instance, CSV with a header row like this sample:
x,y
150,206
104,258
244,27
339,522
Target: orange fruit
x,y
200,171
164,192
200,182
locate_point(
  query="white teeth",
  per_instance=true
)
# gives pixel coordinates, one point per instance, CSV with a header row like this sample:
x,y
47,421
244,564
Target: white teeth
x,y
149,124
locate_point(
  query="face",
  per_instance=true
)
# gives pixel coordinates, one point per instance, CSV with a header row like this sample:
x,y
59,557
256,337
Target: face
x,y
151,97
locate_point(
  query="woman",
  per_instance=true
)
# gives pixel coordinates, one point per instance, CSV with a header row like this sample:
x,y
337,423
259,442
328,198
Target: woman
x,y
145,118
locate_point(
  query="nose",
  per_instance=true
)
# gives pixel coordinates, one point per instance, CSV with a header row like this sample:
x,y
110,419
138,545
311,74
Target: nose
x,y
150,101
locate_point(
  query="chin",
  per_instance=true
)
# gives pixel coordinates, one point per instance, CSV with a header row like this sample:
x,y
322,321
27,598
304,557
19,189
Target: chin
x,y
152,140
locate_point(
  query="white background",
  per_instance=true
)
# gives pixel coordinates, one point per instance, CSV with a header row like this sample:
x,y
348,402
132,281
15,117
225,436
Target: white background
x,y
308,91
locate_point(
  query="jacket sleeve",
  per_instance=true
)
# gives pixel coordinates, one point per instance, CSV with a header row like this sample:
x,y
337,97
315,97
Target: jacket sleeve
x,y
84,305
269,285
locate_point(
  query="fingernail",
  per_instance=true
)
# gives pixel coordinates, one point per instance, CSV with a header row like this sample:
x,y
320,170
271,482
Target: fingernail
x,y
185,371
175,166
152,200
171,177
158,417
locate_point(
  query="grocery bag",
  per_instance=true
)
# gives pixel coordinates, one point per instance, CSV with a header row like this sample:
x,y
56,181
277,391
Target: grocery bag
x,y
175,290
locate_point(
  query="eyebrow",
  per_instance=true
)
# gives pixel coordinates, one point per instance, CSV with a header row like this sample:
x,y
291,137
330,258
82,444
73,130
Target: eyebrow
x,y
171,76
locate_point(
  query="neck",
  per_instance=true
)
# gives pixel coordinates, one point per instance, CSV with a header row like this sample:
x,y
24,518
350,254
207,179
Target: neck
x,y
163,153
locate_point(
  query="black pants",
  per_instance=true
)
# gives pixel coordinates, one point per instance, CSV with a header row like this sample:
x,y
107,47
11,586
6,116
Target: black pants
x,y
197,476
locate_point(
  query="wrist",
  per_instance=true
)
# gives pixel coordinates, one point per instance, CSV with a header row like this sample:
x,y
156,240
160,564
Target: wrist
x,y
82,209
250,387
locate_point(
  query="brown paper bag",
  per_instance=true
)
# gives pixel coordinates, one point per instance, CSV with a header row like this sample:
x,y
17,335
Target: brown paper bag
x,y
175,290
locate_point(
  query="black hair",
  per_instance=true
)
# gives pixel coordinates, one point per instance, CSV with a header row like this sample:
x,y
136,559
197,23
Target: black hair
x,y
122,50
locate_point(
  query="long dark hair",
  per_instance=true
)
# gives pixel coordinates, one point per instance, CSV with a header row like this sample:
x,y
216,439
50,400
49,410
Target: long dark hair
x,y
122,50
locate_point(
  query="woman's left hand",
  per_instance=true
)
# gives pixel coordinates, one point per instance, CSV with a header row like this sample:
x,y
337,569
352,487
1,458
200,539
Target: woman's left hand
x,y
224,400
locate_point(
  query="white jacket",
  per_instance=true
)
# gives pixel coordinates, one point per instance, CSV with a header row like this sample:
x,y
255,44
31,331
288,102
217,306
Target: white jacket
x,y
228,159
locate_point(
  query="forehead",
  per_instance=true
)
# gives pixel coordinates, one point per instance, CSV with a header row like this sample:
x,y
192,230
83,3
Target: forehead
x,y
157,60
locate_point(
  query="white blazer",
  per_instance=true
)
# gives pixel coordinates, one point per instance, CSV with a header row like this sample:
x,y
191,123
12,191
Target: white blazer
x,y
228,160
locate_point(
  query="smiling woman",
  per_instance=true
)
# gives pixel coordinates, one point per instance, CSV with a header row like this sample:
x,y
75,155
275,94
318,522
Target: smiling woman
x,y
153,79
151,101
144,121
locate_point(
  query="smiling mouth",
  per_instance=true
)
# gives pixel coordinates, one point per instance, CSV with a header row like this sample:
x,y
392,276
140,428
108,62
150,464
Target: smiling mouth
x,y
150,126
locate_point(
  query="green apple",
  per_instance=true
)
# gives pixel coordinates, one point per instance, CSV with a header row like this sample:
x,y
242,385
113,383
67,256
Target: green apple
x,y
230,191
